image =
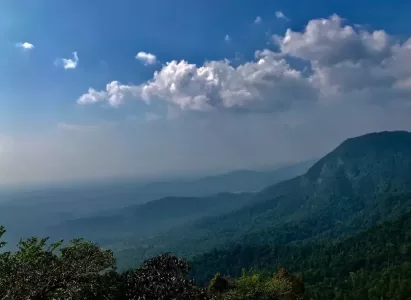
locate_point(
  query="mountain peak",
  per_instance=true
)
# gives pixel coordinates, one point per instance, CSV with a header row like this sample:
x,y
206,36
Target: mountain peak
x,y
371,156
384,139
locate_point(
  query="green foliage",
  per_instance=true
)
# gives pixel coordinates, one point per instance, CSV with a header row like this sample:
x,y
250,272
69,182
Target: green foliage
x,y
38,270
2,232
255,286
83,271
219,284
162,277
375,263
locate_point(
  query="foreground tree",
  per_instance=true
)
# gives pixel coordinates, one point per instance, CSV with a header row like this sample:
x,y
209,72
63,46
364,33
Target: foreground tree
x,y
162,277
39,270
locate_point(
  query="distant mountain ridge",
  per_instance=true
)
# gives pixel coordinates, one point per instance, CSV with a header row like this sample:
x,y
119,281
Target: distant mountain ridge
x,y
44,209
363,181
149,218
238,181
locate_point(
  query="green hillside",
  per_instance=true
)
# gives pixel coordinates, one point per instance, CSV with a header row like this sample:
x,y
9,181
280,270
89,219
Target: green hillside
x,y
368,265
365,180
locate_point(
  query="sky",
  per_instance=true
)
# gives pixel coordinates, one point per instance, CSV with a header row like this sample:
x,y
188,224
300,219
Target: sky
x,y
100,89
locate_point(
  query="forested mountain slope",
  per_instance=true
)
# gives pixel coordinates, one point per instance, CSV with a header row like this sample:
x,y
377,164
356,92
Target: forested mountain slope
x,y
363,181
368,265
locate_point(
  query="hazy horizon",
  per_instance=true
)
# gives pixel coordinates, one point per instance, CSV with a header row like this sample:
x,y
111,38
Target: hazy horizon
x,y
184,177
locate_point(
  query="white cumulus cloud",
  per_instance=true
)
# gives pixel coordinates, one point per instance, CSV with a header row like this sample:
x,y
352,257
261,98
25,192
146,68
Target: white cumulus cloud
x,y
329,41
114,94
347,59
146,58
25,46
339,63
92,96
218,84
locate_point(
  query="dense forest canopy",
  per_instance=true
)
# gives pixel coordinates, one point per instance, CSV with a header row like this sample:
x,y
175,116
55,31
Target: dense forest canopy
x,y
372,264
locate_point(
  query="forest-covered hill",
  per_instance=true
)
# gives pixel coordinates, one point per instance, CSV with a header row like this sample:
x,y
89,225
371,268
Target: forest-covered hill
x,y
364,181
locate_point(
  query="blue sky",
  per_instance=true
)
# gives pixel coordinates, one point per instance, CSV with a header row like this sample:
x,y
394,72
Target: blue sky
x,y
183,120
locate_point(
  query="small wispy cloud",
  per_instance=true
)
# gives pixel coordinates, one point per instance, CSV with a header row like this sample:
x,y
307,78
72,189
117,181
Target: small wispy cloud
x,y
227,38
68,63
258,20
280,15
146,58
25,46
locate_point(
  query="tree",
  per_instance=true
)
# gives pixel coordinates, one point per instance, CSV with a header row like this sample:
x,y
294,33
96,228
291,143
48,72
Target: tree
x,y
39,270
282,286
219,284
162,277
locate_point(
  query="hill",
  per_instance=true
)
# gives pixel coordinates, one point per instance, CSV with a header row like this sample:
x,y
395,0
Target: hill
x,y
363,181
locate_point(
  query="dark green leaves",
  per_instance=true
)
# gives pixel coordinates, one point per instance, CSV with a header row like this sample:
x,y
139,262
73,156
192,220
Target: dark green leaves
x,y
41,271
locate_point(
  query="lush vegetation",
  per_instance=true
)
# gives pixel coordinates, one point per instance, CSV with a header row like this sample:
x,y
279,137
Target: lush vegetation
x,y
374,264
81,270
251,286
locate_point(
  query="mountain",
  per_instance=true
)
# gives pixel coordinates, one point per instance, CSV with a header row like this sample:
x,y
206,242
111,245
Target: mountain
x,y
363,181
